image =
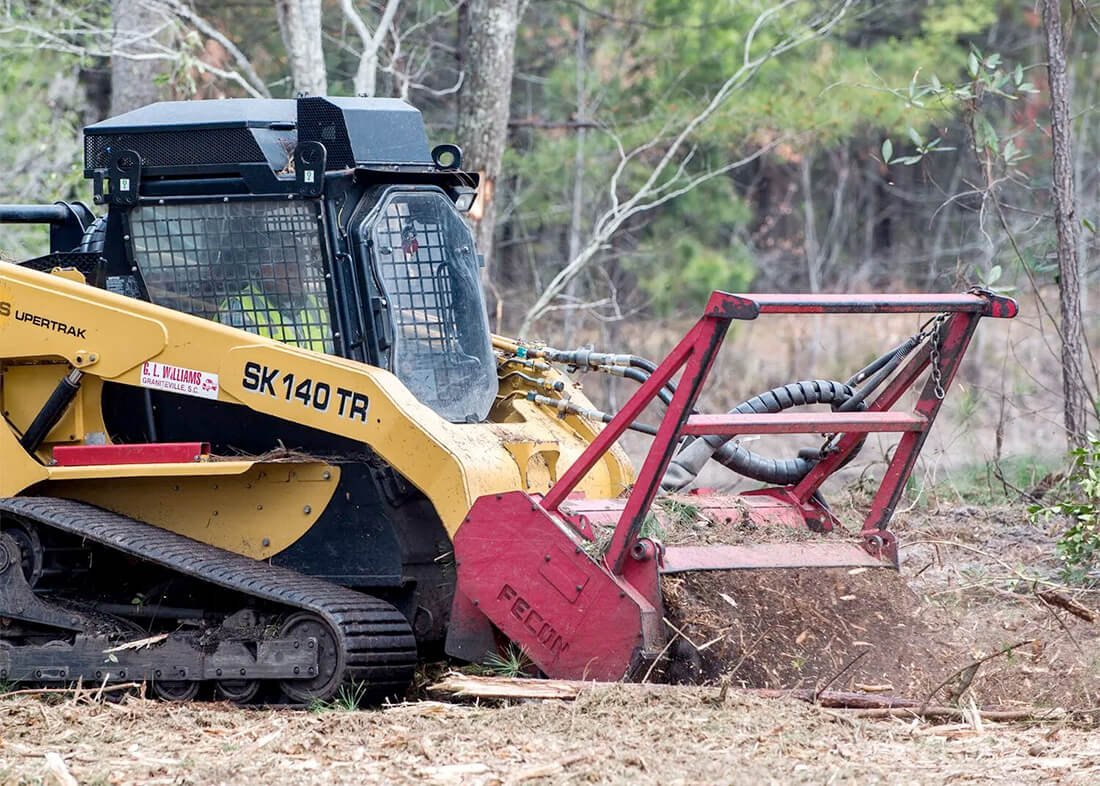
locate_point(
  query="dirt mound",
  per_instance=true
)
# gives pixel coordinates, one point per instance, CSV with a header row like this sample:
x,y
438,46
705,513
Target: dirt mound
x,y
850,629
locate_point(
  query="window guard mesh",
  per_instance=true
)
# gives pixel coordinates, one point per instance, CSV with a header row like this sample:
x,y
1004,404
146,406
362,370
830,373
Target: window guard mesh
x,y
442,351
252,264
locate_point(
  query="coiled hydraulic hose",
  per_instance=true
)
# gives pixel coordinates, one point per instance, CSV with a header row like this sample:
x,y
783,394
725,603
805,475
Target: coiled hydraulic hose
x,y
689,461
842,396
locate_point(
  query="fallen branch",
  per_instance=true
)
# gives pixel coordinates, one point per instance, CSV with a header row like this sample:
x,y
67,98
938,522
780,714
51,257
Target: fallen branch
x,y
76,690
469,686
839,674
137,645
1055,598
967,672
937,713
836,699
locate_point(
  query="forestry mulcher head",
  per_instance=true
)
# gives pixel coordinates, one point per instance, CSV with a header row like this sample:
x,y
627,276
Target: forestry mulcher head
x,y
582,607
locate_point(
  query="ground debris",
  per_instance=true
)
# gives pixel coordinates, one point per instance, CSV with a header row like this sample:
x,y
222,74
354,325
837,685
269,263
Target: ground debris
x,y
474,686
802,628
1028,716
1055,598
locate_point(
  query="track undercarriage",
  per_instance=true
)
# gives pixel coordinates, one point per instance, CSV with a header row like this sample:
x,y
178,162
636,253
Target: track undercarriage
x,y
91,596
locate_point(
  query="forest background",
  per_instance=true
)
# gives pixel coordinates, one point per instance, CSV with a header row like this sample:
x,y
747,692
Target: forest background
x,y
639,153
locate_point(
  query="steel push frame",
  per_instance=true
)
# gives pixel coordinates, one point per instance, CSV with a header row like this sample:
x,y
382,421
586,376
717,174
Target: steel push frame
x,y
696,353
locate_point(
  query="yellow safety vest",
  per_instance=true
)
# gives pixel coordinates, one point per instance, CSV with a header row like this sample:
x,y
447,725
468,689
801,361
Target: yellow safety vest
x,y
308,328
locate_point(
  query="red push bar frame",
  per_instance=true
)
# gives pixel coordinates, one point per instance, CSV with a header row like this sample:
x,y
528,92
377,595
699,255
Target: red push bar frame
x,y
695,354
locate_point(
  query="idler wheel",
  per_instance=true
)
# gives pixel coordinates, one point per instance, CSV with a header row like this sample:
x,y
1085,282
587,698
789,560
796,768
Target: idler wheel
x,y
312,631
30,550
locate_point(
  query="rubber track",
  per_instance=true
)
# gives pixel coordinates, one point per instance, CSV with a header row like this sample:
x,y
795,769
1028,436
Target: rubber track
x,y
379,644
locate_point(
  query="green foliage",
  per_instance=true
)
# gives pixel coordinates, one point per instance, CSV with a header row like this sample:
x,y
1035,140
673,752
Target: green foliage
x,y
40,145
642,83
988,76
347,699
651,528
679,512
512,661
688,271
1078,502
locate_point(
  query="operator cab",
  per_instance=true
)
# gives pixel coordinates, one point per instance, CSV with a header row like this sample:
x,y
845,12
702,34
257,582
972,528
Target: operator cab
x,y
326,224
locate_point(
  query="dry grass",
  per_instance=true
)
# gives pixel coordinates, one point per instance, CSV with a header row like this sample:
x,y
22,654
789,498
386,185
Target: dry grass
x,y
616,734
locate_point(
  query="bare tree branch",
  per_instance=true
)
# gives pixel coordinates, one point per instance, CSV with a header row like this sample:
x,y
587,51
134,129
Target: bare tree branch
x,y
85,37
366,75
245,75
658,180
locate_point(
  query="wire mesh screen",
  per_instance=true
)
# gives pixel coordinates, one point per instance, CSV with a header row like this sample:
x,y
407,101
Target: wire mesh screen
x,y
254,264
425,259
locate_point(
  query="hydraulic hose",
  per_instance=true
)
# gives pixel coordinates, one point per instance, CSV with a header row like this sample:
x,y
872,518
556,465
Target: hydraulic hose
x,y
566,406
689,461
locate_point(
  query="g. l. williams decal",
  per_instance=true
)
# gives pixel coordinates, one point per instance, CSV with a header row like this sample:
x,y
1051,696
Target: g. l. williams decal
x,y
178,379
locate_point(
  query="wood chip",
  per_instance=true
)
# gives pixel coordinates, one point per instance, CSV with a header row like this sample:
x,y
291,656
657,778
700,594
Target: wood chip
x,y
137,645
455,773
264,740
884,687
57,769
541,771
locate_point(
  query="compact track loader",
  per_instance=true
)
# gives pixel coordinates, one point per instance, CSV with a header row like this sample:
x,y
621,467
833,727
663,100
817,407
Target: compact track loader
x,y
259,442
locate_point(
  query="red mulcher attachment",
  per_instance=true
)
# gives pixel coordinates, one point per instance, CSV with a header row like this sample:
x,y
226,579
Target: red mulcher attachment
x,y
523,562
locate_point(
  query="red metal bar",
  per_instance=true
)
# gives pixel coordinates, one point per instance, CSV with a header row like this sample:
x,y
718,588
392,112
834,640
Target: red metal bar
x,y
151,453
695,353
894,390
804,423
726,306
703,341
988,305
685,559
627,415
721,306
957,332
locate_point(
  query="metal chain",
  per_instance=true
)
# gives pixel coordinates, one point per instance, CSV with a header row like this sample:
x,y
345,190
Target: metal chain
x,y
934,359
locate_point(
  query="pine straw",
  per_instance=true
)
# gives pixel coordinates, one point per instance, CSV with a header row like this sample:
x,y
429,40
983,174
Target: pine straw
x,y
617,733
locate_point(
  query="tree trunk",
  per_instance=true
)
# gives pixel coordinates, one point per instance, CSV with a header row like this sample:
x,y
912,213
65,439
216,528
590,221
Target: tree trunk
x,y
576,212
139,30
810,247
1065,222
487,41
300,25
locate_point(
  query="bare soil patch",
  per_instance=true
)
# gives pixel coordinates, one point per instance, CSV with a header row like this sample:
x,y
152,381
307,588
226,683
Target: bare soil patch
x,y
858,629
969,586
